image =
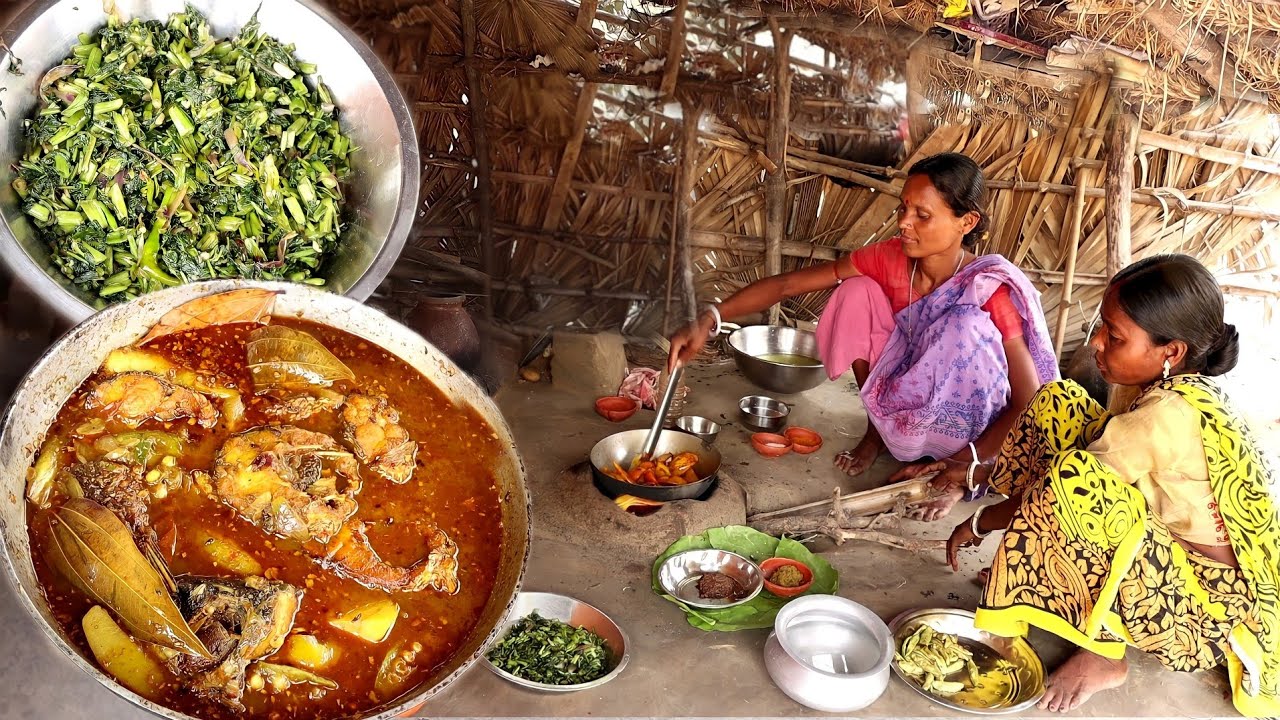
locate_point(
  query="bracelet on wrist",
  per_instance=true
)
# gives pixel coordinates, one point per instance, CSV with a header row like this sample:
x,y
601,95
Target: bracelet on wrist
x,y
973,523
715,314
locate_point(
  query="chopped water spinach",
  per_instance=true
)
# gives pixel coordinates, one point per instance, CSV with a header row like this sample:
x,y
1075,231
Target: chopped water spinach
x,y
160,155
551,652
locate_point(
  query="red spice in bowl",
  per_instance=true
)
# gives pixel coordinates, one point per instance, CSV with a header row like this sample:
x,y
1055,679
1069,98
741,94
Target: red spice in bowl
x,y
616,408
771,444
770,566
803,440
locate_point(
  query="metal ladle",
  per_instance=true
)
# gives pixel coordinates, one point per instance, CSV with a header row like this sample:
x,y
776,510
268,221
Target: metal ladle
x,y
651,440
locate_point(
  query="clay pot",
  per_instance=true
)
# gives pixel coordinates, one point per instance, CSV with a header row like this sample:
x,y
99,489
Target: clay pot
x,y
771,444
444,322
803,440
616,408
770,566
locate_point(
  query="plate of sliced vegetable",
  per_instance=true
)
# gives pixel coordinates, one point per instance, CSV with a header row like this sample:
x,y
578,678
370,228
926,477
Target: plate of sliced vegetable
x,y
556,643
941,655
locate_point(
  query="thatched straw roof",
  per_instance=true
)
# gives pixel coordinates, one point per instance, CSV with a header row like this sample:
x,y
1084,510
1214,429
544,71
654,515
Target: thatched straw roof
x,y
584,173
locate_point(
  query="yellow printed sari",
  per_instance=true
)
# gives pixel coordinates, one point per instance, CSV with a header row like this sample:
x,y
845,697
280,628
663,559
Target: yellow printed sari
x,y
1084,559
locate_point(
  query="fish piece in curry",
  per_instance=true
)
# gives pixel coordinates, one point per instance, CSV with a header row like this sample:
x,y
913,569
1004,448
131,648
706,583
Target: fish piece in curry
x,y
133,398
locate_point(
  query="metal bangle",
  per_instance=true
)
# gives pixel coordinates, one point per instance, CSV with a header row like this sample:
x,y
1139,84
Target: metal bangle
x,y
968,478
973,523
715,313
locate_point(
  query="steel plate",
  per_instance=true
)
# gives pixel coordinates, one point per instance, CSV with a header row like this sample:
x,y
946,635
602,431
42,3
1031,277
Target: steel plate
x,y
1027,680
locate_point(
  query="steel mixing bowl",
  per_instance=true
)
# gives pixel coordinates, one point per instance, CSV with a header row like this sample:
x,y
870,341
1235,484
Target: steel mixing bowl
x,y
381,195
573,612
750,344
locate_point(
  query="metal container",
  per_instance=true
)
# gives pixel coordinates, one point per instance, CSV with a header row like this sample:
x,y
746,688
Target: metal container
x,y
381,195
829,653
75,356
623,447
578,614
700,427
1026,683
749,344
763,414
680,573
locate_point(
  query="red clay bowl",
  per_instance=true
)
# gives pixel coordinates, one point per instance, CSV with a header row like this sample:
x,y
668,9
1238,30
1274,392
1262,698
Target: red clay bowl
x,y
616,408
803,440
770,566
771,444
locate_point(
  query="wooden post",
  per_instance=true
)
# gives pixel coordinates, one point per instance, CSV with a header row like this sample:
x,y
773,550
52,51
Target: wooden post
x,y
1122,150
581,118
1073,249
680,259
480,145
775,184
675,50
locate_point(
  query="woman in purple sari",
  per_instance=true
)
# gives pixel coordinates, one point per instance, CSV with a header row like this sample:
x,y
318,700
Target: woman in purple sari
x,y
947,347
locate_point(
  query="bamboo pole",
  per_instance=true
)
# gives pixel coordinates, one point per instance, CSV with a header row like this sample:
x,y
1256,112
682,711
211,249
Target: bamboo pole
x,y
680,257
675,50
1209,152
572,292
480,140
569,160
1073,249
775,187
1122,146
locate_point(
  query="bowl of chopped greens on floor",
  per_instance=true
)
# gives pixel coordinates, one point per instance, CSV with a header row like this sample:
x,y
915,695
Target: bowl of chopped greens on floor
x,y
164,142
555,643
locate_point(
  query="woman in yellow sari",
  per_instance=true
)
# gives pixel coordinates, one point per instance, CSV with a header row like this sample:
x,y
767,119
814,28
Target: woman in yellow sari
x,y
1155,527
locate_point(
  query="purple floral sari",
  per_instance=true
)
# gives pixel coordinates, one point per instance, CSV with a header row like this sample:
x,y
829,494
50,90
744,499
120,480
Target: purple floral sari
x,y
943,376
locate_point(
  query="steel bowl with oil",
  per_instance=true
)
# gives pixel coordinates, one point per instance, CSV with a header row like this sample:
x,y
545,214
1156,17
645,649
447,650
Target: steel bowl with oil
x,y
381,195
779,359
1025,681
762,413
680,573
572,612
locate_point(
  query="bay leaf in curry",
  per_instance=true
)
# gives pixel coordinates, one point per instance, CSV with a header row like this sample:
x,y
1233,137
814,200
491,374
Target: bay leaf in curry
x,y
250,305
95,550
282,358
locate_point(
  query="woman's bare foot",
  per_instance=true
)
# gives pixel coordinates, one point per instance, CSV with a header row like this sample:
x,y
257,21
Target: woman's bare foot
x,y
937,508
857,460
1082,675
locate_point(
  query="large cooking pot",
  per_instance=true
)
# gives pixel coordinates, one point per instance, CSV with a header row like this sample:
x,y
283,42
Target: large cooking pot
x,y
381,195
624,446
78,354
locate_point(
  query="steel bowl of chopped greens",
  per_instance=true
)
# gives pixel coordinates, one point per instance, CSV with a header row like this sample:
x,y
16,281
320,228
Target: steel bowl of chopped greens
x,y
172,141
555,643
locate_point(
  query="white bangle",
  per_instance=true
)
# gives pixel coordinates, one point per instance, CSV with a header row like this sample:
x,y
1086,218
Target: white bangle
x,y
973,523
968,478
715,313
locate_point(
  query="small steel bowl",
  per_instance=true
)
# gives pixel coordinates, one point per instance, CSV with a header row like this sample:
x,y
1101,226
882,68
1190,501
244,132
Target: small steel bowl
x,y
763,414
575,613
679,576
700,427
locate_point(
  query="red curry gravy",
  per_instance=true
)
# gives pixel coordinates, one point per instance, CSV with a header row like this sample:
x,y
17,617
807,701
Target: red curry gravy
x,y
452,488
